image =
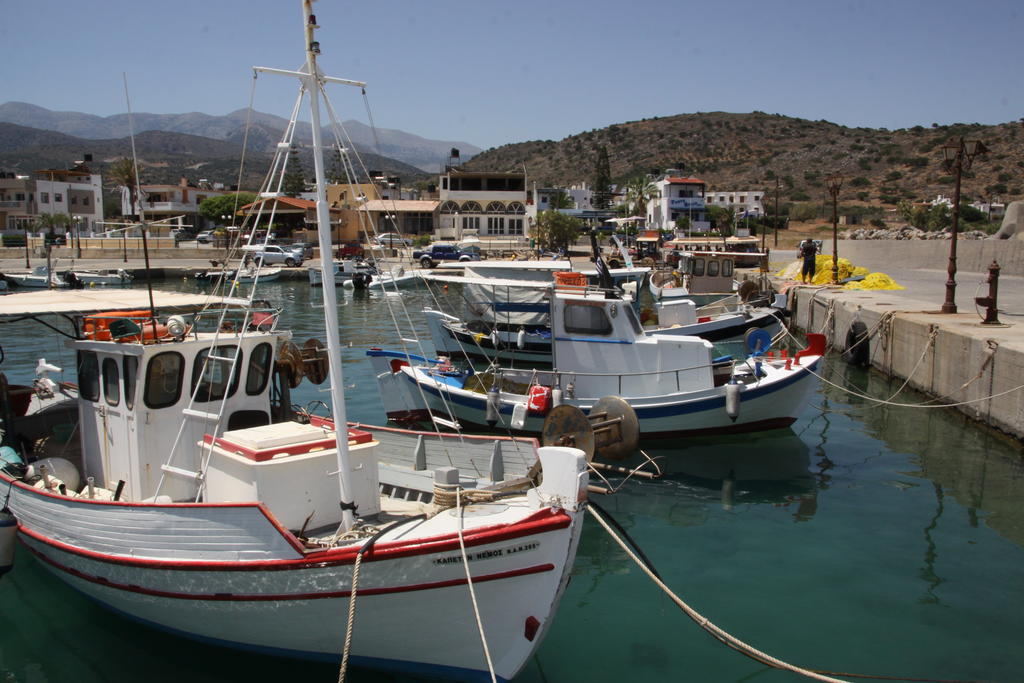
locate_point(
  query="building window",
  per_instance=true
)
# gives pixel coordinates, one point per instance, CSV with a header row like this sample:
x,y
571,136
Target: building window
x,y
19,197
58,197
44,197
515,226
495,207
85,201
472,207
495,225
516,208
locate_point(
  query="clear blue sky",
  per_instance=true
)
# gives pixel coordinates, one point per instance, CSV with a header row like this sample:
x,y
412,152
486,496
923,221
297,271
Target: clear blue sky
x,y
491,73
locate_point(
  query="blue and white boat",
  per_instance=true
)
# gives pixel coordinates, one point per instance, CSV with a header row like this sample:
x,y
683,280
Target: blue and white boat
x,y
674,383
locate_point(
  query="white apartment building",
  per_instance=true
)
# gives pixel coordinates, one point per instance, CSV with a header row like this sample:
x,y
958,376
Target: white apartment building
x,y
740,201
482,203
76,192
678,196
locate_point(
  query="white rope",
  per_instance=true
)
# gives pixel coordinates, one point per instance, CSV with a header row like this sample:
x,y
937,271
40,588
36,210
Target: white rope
x,y
469,582
703,621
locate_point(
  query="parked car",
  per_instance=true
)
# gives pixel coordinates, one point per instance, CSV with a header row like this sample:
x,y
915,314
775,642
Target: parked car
x,y
205,237
392,239
274,253
442,251
349,250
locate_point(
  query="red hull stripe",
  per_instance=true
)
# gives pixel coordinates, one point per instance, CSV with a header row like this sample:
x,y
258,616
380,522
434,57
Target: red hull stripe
x,y
231,597
540,522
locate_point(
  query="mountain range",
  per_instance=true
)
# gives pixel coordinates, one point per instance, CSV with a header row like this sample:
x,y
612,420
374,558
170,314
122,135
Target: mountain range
x,y
264,131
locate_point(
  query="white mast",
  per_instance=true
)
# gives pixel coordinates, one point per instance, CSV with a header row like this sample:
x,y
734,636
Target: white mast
x,y
312,81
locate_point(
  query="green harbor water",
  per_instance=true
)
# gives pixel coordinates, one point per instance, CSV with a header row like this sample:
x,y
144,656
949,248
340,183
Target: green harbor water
x,y
865,539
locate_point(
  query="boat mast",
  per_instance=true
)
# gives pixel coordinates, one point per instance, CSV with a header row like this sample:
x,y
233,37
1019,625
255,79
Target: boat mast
x,y
313,84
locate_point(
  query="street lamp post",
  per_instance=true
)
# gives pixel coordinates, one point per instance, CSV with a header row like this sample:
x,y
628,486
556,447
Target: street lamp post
x,y
27,264
957,157
77,237
775,218
834,182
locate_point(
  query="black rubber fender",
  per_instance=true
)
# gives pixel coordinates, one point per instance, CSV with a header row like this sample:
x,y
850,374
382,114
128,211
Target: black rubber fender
x,y
858,349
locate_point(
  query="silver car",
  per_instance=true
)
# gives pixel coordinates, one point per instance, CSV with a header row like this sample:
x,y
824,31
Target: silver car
x,y
277,254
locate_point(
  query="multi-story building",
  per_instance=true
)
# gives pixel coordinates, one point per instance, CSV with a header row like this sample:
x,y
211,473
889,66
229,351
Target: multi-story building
x,y
490,205
175,205
742,202
75,192
677,197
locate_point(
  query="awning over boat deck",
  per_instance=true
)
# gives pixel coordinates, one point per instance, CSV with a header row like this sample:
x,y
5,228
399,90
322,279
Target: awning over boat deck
x,y
489,281
85,301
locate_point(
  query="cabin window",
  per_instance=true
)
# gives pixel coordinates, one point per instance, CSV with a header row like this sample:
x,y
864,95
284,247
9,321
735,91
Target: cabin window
x,y
163,379
130,371
727,268
111,382
211,383
88,376
712,268
698,267
586,319
259,370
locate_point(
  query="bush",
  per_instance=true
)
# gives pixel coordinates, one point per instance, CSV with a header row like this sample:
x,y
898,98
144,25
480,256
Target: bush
x,y
877,222
860,181
888,199
799,196
864,196
13,240
803,212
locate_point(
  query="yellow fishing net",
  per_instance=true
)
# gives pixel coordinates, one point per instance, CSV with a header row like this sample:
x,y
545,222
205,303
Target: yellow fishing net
x,y
823,274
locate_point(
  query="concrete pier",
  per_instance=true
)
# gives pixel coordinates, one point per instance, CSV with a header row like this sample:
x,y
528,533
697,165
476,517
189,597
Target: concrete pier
x,y
976,368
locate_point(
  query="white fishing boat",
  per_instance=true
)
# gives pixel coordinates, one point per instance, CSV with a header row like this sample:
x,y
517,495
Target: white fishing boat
x,y
675,384
193,510
344,270
40,277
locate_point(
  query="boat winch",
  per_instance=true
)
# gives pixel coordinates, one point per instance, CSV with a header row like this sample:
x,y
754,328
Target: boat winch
x,y
610,429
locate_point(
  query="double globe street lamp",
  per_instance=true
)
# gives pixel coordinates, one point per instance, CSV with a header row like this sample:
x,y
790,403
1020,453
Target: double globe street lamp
x,y
957,157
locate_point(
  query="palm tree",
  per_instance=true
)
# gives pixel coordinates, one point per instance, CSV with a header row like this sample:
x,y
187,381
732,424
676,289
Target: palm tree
x,y
639,192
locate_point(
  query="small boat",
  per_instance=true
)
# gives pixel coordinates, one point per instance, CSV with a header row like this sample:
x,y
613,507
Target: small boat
x,y
389,280
39,277
675,384
97,278
254,273
202,506
344,270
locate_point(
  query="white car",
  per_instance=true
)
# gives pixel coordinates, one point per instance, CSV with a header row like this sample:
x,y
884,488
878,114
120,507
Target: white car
x,y
205,237
273,253
392,239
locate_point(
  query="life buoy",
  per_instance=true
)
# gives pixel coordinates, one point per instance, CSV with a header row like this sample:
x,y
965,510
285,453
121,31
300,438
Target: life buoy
x,y
858,350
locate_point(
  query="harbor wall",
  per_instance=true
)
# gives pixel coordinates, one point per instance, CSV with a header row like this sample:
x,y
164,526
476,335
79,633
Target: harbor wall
x,y
954,358
973,256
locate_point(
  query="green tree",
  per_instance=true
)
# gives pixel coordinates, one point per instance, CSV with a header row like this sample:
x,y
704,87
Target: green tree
x,y
683,224
940,217
555,230
49,222
602,182
215,208
639,191
294,182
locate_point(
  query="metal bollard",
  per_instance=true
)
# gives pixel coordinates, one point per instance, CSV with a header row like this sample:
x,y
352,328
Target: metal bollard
x,y
989,302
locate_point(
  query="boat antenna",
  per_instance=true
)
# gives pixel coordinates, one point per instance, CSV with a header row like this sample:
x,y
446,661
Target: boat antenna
x,y
142,211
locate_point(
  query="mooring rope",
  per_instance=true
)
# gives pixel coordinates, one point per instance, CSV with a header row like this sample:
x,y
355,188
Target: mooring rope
x,y
726,638
472,592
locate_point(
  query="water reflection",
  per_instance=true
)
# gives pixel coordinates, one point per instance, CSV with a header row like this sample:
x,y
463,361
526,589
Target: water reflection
x,y
979,467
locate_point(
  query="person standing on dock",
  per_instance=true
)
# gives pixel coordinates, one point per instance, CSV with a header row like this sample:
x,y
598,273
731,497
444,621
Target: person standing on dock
x,y
808,252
